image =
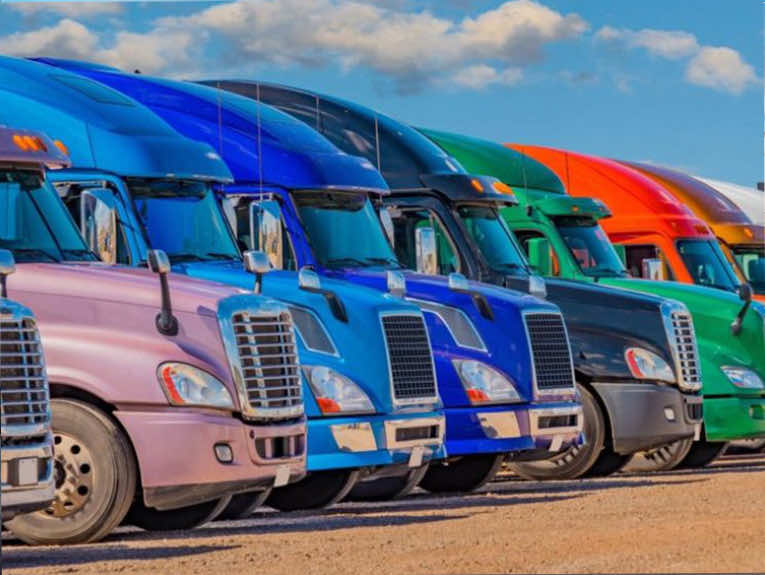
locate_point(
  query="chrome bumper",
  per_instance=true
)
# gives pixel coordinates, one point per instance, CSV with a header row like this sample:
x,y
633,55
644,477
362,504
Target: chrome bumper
x,y
358,437
537,418
27,479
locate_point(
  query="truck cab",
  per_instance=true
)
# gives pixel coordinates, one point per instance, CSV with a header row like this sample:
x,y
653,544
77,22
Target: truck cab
x,y
314,200
374,416
741,240
142,364
564,239
28,482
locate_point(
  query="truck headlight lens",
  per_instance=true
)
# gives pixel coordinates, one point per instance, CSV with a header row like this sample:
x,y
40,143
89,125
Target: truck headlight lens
x,y
484,384
187,385
335,393
743,377
645,364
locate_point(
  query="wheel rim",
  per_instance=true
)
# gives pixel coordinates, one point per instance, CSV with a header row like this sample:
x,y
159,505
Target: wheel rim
x,y
663,454
74,474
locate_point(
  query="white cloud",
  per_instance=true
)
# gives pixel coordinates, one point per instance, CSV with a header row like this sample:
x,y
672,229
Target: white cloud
x,y
71,9
67,39
721,68
152,53
669,44
481,76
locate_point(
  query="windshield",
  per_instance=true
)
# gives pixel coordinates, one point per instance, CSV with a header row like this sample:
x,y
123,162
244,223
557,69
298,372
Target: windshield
x,y
493,239
590,247
751,259
183,219
34,224
344,230
707,264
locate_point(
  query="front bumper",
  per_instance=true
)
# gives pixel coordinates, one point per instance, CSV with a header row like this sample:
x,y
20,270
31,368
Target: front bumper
x,y
27,478
646,415
513,428
731,418
374,441
178,461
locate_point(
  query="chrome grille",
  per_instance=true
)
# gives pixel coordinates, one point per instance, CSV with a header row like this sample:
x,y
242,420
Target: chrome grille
x,y
410,358
24,401
268,362
684,348
553,370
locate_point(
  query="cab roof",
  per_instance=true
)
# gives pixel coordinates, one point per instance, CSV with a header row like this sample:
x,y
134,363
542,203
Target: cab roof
x,y
99,127
24,147
259,143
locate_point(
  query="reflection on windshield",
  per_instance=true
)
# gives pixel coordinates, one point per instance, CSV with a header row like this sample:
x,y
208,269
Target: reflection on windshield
x,y
344,230
198,231
707,264
488,231
591,247
752,262
34,224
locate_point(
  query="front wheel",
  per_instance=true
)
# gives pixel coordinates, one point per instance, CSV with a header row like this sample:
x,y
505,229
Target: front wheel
x,y
387,488
701,454
664,458
318,489
95,474
188,517
466,474
242,505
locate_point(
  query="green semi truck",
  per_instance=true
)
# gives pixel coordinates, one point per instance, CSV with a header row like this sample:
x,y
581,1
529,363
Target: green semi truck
x,y
558,232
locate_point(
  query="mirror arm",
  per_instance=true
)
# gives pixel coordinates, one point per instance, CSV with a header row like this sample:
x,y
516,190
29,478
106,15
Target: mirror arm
x,y
167,324
3,286
735,327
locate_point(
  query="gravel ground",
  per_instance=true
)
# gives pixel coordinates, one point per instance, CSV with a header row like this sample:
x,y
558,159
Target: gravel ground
x,y
703,521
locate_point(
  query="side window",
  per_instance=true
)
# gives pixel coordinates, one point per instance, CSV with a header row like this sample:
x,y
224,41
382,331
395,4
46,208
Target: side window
x,y
238,215
523,237
637,253
405,223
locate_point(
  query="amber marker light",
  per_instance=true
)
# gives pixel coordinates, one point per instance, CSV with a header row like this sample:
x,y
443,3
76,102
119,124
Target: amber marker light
x,y
477,185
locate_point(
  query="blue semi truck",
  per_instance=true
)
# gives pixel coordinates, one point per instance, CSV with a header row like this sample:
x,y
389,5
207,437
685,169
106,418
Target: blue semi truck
x,y
502,358
135,184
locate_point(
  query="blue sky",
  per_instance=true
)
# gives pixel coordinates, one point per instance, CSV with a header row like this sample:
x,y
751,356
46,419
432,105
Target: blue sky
x,y
676,83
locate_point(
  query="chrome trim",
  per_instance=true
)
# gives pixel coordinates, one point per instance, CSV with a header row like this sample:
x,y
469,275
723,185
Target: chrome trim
x,y
264,308
554,390
354,437
422,303
670,311
536,414
392,425
500,424
436,398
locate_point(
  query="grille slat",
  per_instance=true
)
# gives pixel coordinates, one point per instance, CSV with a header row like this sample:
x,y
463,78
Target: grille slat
x,y
550,350
410,357
686,352
268,362
24,397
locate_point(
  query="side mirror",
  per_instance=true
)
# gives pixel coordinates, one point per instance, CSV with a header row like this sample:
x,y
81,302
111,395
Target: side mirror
x,y
387,223
98,223
7,267
746,293
266,231
621,251
425,249
166,322
653,269
539,256
256,263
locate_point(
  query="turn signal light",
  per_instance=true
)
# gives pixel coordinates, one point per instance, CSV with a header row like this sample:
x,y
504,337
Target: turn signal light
x,y
502,188
327,405
61,146
477,185
476,395
27,143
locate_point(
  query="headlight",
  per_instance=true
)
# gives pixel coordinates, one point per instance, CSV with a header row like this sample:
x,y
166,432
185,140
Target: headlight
x,y
335,393
743,377
185,384
645,364
484,384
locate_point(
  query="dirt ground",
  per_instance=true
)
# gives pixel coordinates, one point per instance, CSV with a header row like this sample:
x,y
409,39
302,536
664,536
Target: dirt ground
x,y
711,520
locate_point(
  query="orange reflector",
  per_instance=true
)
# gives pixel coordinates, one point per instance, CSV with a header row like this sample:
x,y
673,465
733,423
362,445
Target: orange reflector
x,y
575,209
168,373
748,233
502,188
20,142
328,405
477,395
61,146
27,143
477,185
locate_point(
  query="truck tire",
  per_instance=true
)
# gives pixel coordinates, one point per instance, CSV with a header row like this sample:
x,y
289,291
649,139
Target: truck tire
x,y
96,475
387,488
242,505
664,458
189,517
466,474
701,454
575,461
318,489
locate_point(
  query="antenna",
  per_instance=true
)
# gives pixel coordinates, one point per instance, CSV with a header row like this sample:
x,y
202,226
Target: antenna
x,y
220,121
260,148
377,144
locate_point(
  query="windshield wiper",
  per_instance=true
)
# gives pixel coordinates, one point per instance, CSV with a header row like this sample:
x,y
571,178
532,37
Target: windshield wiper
x,y
605,272
181,258
78,253
345,262
36,252
383,261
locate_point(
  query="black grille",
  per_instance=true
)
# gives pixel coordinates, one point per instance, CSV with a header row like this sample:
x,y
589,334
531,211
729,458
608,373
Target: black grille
x,y
552,355
411,360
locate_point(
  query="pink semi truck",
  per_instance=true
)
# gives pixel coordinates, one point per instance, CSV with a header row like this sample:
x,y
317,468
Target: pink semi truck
x,y
168,394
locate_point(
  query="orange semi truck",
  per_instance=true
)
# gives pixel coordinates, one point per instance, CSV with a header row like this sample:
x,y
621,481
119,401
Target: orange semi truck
x,y
648,220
